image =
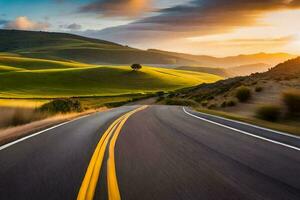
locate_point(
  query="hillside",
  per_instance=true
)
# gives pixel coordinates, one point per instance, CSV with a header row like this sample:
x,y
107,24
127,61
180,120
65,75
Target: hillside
x,y
245,70
210,70
68,47
266,91
25,80
288,69
242,70
282,77
231,61
21,63
63,46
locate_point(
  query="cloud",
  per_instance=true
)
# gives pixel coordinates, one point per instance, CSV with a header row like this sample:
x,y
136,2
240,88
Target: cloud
x,y
3,22
73,27
23,23
118,8
199,17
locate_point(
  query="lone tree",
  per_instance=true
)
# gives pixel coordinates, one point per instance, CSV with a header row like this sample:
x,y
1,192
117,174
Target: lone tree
x,y
136,67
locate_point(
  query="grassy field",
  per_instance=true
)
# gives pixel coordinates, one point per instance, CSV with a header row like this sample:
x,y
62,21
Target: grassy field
x,y
36,78
13,63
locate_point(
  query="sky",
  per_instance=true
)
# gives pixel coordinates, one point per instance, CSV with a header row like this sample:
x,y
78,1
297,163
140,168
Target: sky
x,y
207,27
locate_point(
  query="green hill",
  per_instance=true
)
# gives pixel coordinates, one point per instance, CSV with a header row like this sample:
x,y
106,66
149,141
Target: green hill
x,y
22,63
63,46
36,78
69,47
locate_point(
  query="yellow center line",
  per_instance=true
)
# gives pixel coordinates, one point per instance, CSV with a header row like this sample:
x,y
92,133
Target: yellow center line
x,y
88,186
112,183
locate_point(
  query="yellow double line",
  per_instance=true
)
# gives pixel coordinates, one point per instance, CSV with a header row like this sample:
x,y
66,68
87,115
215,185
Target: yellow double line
x,y
88,186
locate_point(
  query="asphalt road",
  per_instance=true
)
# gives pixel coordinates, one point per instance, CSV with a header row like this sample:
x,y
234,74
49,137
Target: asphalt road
x,y
160,152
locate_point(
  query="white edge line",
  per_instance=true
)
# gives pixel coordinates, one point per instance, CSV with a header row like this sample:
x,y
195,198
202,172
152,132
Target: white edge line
x,y
40,132
243,132
255,126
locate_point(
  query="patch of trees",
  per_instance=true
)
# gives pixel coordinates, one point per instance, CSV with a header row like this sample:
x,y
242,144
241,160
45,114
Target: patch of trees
x,y
136,67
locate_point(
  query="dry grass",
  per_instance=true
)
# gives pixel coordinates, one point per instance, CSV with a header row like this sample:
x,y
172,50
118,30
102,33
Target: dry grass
x,y
14,116
292,127
13,133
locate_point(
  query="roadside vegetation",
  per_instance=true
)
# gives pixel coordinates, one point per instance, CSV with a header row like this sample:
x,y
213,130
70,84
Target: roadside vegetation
x,y
269,112
243,94
15,116
272,97
292,101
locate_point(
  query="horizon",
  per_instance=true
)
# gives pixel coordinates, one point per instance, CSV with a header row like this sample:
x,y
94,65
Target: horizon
x,y
215,28
146,49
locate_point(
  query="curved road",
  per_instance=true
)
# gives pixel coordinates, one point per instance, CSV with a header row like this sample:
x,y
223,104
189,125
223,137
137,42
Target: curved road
x,y
155,152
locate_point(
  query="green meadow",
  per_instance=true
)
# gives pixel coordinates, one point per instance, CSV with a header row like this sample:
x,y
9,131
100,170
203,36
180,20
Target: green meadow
x,y
37,78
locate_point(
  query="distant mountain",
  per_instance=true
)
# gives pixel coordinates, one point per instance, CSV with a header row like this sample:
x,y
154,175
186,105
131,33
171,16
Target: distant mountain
x,y
211,70
231,61
242,70
69,47
245,70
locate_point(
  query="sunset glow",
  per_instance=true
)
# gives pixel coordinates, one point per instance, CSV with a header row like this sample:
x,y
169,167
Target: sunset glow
x,y
198,27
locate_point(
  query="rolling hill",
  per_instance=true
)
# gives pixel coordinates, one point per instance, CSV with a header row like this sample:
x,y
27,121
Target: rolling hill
x,y
210,70
63,46
243,70
68,47
37,78
231,61
266,89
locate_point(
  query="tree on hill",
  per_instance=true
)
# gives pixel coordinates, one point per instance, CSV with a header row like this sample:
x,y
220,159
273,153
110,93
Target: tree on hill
x,y
136,67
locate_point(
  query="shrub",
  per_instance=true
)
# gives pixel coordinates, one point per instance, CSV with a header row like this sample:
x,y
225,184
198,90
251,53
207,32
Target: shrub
x,y
224,104
171,94
231,103
136,67
23,116
204,103
14,116
212,106
292,101
160,98
258,89
180,102
243,94
268,112
62,106
160,93
116,104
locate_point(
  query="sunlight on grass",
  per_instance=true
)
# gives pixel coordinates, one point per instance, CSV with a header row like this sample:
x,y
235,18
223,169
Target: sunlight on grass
x,y
37,78
21,103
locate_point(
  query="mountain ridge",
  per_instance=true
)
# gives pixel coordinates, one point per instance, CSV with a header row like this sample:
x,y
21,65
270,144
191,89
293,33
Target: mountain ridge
x,y
70,47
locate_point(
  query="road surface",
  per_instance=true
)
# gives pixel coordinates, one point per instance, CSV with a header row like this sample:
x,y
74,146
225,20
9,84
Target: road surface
x,y
155,152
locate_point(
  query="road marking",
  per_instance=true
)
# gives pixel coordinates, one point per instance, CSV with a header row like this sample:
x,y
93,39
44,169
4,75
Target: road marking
x,y
252,125
38,133
243,132
88,186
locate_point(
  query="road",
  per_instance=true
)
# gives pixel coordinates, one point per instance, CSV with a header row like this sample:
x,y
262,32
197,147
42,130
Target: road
x,y
155,152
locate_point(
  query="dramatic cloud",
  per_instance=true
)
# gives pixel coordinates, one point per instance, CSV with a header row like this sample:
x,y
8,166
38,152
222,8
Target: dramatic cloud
x,y
3,22
118,8
23,23
201,17
73,26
